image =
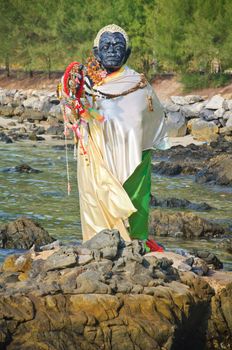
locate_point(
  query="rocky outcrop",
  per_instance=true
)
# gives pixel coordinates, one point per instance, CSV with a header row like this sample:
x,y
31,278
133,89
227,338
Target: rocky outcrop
x,y
171,202
209,163
182,224
203,130
219,325
29,104
97,296
23,233
218,171
39,112
226,244
177,125
204,118
22,168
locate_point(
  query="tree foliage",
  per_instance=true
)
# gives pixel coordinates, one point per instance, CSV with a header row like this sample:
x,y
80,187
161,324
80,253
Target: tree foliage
x,y
181,35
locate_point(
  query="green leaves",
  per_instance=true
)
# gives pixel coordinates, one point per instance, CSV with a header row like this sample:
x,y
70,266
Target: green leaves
x,y
180,35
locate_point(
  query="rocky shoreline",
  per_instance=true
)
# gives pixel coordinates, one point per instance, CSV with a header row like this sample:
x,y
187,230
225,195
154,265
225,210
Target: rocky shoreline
x,y
33,113
205,119
107,294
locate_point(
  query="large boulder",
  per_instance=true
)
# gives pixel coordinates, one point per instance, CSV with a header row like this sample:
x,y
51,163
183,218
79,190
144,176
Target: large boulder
x,y
176,124
55,111
219,325
227,115
22,168
175,168
184,100
182,224
31,102
23,233
226,244
7,111
227,105
171,202
193,110
219,113
215,102
129,301
203,131
229,122
218,171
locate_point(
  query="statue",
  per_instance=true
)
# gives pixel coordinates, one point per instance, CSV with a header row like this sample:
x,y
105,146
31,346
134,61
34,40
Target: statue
x,y
116,125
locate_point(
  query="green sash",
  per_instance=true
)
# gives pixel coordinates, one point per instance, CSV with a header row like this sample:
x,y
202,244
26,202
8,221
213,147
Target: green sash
x,y
138,187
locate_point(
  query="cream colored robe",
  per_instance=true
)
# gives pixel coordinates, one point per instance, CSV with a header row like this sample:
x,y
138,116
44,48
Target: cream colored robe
x,y
114,150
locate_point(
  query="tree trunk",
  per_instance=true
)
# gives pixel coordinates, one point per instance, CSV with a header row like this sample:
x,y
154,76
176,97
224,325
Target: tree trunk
x,y
7,66
31,73
49,67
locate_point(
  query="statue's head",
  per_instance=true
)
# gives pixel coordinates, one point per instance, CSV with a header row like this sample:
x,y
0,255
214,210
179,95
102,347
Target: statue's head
x,y
111,47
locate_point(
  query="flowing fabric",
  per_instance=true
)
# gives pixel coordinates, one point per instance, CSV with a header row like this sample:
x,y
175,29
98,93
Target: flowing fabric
x,y
138,187
103,201
114,150
129,127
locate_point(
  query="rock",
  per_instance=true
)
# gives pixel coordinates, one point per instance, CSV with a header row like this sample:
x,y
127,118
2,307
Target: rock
x,y
225,243
23,233
18,111
52,121
172,107
210,258
106,244
227,105
206,114
179,100
56,112
219,113
7,111
191,159
227,130
215,102
51,246
219,333
191,225
175,168
176,125
98,305
222,122
192,111
55,130
5,138
91,282
11,124
184,100
227,115
40,130
200,267
64,257
31,115
229,122
218,171
204,131
179,203
30,102
22,168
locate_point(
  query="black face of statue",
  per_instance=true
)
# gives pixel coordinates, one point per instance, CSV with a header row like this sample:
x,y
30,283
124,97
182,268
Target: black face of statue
x,y
112,51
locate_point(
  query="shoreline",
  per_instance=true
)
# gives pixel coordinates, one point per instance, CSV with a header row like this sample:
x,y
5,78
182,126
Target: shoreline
x,y
49,139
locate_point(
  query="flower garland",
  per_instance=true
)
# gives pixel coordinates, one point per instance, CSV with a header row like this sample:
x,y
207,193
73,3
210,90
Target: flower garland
x,y
95,71
75,114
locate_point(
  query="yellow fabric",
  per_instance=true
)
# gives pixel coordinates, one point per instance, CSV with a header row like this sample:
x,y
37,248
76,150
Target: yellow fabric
x,y
103,201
